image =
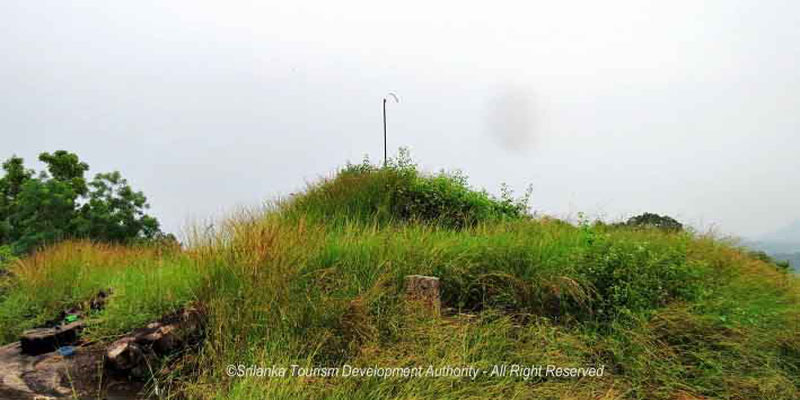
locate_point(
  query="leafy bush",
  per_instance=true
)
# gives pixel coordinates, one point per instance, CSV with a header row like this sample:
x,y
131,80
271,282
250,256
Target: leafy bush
x,y
782,265
6,256
651,220
399,192
632,275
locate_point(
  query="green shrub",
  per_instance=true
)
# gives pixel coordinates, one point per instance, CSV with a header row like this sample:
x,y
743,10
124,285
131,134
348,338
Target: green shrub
x,y
782,265
629,274
6,279
651,220
399,192
6,256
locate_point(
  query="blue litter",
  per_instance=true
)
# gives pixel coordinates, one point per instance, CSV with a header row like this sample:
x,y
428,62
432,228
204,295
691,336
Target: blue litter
x,y
66,351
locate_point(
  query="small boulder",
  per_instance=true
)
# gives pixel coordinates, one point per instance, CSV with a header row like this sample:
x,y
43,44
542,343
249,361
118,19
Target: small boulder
x,y
424,289
124,354
135,354
154,325
166,340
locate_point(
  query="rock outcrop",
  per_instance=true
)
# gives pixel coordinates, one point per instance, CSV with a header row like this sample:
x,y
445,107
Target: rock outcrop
x,y
31,368
136,353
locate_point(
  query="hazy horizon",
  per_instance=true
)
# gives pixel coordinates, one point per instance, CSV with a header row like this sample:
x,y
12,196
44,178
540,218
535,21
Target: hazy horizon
x,y
616,108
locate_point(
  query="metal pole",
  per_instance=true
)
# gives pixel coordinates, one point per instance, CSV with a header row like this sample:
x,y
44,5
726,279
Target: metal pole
x,y
384,133
385,153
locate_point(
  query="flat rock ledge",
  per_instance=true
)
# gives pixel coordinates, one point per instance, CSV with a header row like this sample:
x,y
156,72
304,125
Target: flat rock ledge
x,y
120,368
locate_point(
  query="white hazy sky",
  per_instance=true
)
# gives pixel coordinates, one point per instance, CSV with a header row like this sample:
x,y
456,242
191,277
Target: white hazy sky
x,y
689,108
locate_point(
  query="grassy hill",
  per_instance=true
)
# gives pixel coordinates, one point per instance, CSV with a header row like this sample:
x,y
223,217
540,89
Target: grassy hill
x,y
317,280
792,258
783,244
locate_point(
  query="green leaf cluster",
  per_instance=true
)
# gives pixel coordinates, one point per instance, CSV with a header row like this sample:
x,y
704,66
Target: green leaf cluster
x,y
59,203
399,192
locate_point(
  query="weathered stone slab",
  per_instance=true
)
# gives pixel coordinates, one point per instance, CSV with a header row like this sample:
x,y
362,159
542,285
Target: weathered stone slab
x,y
44,340
424,289
166,340
124,354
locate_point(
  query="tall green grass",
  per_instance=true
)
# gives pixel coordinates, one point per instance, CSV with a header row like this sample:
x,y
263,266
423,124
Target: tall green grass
x,y
399,192
318,280
145,284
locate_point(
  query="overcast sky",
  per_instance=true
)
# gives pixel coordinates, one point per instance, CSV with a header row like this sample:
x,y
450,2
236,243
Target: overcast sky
x,y
689,108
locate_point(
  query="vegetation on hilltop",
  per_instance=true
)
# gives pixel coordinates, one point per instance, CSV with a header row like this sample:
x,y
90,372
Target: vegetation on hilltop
x,y
317,280
763,256
651,220
791,260
400,193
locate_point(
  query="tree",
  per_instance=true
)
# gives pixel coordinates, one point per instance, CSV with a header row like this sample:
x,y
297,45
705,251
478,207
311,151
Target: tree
x,y
10,186
66,167
115,212
43,213
58,204
652,220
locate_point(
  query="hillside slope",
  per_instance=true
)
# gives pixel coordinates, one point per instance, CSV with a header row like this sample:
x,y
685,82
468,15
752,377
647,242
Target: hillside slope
x,y
782,244
317,281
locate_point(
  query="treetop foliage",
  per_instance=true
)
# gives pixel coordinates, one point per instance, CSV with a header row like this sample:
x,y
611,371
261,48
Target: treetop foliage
x,y
652,220
59,203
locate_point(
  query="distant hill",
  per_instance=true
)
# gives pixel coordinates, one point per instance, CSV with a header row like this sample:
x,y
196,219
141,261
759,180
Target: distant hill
x,y
782,244
787,234
792,258
773,248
